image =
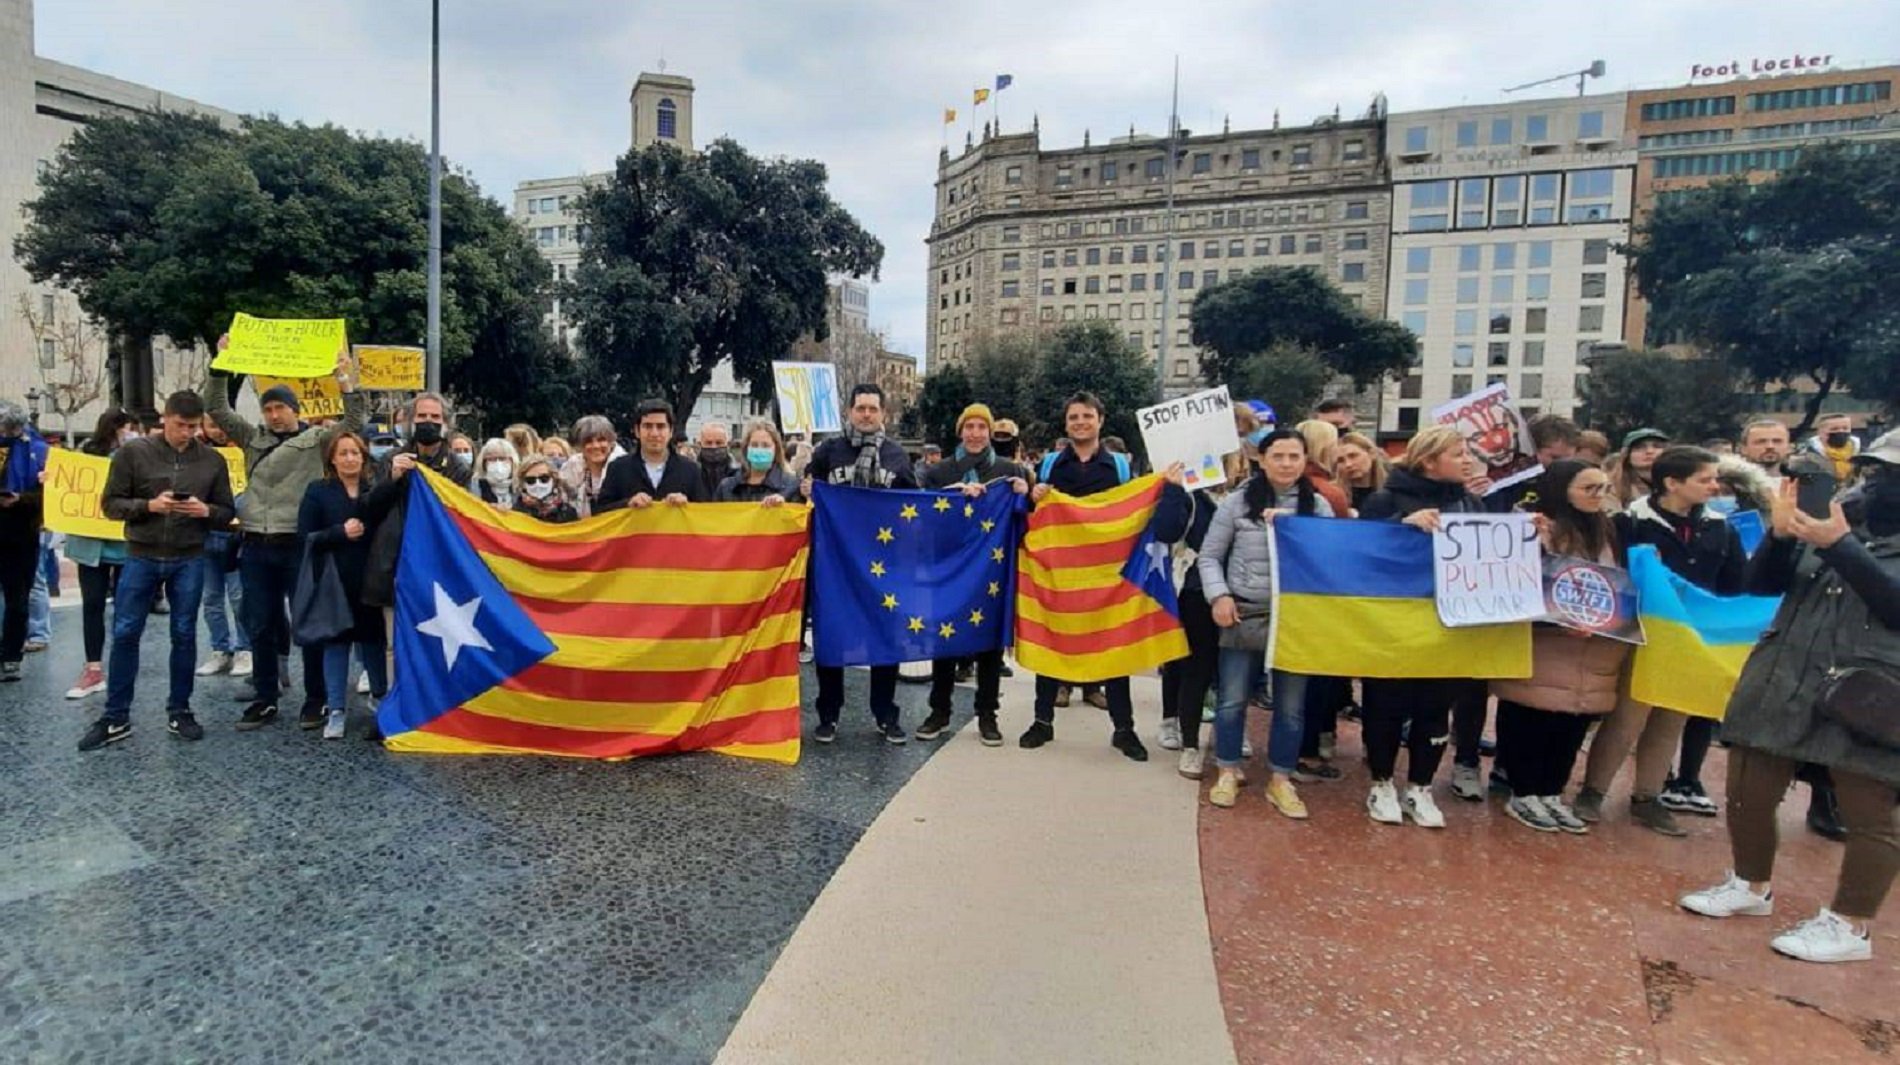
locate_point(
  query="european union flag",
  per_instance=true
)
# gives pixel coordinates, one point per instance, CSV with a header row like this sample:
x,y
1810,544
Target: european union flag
x,y
458,631
903,576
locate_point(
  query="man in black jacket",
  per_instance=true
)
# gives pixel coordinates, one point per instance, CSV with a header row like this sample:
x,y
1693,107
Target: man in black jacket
x,y
654,472
976,468
22,459
865,458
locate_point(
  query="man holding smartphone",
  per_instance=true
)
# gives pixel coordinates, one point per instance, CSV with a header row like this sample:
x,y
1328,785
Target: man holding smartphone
x,y
170,490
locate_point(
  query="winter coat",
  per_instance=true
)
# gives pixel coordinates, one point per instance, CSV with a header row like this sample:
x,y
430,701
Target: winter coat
x,y
1702,548
1840,608
277,469
1237,555
145,468
1571,673
387,506
326,506
1328,489
778,481
1405,493
1754,489
834,461
627,477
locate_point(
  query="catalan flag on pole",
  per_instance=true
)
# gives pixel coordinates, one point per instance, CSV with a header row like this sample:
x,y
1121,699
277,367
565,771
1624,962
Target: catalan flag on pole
x,y
1697,641
1094,588
979,96
1355,599
949,115
631,633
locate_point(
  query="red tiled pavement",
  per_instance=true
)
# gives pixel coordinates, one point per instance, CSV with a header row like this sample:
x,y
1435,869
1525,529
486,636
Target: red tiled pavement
x,y
1341,940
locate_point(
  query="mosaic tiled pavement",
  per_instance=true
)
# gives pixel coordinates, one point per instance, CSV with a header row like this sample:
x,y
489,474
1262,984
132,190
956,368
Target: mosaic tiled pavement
x,y
274,897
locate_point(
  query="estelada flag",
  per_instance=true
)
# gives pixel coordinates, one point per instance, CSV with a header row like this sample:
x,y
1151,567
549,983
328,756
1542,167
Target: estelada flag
x,y
1356,599
1094,588
630,633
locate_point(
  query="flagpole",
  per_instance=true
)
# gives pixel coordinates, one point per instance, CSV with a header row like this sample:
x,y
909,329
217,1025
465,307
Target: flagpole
x,y
432,376
1167,274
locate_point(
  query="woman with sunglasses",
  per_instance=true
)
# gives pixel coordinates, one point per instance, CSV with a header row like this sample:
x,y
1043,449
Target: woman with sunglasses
x,y
540,494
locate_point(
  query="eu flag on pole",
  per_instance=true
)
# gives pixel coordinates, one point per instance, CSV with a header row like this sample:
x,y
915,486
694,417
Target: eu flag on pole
x,y
1004,81
900,576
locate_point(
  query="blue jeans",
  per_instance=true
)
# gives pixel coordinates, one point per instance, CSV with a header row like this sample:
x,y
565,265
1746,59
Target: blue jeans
x,y
336,670
139,583
219,585
39,610
1238,671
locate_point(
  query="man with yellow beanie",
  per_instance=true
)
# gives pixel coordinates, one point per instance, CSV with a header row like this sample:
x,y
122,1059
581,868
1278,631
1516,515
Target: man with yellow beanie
x,y
975,469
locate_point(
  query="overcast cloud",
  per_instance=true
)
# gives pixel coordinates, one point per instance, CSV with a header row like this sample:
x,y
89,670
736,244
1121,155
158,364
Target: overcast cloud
x,y
540,88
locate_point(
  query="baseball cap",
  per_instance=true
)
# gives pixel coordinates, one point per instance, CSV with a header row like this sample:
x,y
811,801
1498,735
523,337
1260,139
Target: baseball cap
x,y
1004,427
1637,436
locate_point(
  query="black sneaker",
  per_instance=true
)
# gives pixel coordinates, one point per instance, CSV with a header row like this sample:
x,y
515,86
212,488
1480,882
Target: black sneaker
x,y
1036,735
893,733
184,725
103,732
987,731
1129,744
9,671
1313,771
933,726
825,732
256,716
1824,815
312,716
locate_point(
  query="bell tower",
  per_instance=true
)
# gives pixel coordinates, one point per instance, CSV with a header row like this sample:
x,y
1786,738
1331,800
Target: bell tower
x,y
663,110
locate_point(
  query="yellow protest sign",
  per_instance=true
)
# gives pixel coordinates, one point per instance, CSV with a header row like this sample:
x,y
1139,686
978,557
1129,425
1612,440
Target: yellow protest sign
x,y
73,483
321,397
283,347
389,368
234,458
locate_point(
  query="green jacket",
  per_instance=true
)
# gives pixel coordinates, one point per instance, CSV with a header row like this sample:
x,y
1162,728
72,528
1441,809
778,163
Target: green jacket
x,y
277,473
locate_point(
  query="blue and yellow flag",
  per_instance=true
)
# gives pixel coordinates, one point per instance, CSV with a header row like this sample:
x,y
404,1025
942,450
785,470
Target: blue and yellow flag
x,y
901,576
1697,640
1355,599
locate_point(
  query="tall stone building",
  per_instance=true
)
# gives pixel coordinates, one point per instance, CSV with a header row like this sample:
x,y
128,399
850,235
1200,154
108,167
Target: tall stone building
x,y
1026,237
48,350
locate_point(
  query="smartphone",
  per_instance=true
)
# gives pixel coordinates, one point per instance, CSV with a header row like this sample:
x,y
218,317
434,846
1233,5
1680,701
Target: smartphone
x,y
181,497
1814,492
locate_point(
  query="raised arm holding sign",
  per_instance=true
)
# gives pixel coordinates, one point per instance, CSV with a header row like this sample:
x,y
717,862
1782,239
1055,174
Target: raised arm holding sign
x,y
282,347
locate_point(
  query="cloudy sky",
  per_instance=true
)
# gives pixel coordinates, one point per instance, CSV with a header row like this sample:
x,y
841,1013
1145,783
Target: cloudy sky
x,y
539,88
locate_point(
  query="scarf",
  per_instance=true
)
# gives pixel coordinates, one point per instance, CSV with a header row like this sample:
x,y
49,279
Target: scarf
x,y
867,472
1842,457
970,467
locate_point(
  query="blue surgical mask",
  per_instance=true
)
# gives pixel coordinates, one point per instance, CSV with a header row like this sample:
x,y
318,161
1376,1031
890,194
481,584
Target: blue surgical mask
x,y
1721,505
379,451
1257,436
760,458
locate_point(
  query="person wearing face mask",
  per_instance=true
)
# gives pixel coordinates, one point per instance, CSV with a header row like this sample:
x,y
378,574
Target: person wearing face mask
x,y
1630,470
283,457
495,483
1705,551
1834,441
1835,640
540,494
764,480
1005,439
715,457
381,445
387,504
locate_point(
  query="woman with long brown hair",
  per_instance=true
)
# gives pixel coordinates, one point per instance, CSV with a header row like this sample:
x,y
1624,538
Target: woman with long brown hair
x,y
98,561
333,522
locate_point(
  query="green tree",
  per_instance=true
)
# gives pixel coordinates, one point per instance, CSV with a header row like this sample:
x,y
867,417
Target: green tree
x,y
1287,308
695,259
1798,277
1693,399
933,418
1290,378
1088,357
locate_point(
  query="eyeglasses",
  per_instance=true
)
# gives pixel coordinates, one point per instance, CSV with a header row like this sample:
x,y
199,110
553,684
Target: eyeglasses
x,y
538,479
1594,489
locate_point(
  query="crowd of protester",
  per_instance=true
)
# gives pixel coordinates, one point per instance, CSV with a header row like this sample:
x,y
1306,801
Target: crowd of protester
x,y
329,497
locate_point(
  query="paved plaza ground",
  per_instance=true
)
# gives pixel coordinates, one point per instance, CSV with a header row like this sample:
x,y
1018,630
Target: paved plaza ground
x,y
271,897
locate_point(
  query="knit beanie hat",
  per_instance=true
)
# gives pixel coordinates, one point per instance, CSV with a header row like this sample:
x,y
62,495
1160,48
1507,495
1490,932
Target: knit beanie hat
x,y
280,394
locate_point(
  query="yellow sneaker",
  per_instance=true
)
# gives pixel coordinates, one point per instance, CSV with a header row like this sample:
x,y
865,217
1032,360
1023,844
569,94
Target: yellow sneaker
x,y
1286,799
1226,789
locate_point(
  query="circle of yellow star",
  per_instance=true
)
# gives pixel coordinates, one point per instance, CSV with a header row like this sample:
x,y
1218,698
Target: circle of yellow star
x,y
885,536
890,601
969,511
877,569
996,554
916,624
946,630
909,513
988,525
996,589
976,617
942,504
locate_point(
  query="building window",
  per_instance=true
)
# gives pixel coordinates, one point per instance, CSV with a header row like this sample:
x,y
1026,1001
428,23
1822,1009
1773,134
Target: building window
x,y
1418,260
1497,353
1415,138
1596,252
1049,259
1467,290
1500,131
1010,290
1046,314
1530,386
1092,285
1352,272
1543,199
1865,92
1091,311
1302,155
1414,322
1012,261
1289,244
1468,134
1156,169
1137,311
668,120
1358,209
1137,282
1408,419
1203,162
1470,257
1592,184
1210,250
1507,197
1461,355
1354,241
1694,107
1355,151
1464,323
1114,282
1721,163
1012,234
1250,158
1590,125
1535,319
1313,244
1430,205
1209,277
1503,288
1537,128
1092,257
1138,254
1593,285
1500,321
1533,353
1109,172
1410,386
1693,137
1417,292
1590,319
1471,208
1048,287
1013,175
1068,286
1460,384
1187,249
1537,286
1068,313
1068,257
1540,255
1065,176
1503,256
1115,255
1186,279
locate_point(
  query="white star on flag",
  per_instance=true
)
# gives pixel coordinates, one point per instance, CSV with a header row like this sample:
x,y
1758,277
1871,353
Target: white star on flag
x,y
1157,559
454,625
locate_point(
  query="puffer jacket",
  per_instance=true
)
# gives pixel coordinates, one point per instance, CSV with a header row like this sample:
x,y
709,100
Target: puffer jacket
x,y
1703,549
1840,608
1237,554
277,473
1406,493
1571,673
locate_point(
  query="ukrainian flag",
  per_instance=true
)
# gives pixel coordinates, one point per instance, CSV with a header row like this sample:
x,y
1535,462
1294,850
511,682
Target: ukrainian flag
x,y
1697,641
1355,599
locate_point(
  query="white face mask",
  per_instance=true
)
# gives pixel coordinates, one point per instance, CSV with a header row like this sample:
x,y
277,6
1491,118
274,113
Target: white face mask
x,y
499,472
539,489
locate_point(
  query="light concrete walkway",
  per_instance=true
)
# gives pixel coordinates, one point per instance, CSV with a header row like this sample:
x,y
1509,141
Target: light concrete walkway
x,y
1008,906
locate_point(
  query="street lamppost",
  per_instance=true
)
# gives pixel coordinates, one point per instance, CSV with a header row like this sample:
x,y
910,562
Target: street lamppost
x,y
433,373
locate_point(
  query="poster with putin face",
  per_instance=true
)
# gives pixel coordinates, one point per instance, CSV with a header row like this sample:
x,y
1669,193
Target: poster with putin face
x,y
1496,432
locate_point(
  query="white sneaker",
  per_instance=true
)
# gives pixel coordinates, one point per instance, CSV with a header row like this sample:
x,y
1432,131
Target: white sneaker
x,y
1170,737
1422,808
336,724
362,683
1246,748
217,663
1731,898
1467,783
1825,937
1566,818
1382,803
1193,762
241,664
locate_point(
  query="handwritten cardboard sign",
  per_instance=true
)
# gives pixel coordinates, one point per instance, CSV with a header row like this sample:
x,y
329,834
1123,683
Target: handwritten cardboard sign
x,y
384,368
234,461
283,347
1487,569
1496,432
1195,430
74,481
321,397
808,397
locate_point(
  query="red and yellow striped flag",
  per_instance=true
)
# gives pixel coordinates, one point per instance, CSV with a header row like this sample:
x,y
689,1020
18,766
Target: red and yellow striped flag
x,y
674,629
1094,599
